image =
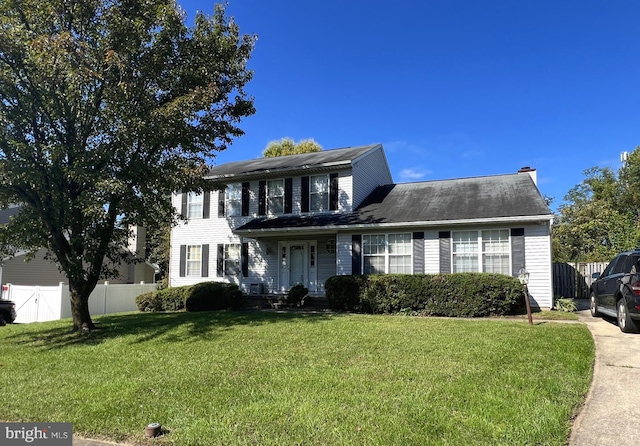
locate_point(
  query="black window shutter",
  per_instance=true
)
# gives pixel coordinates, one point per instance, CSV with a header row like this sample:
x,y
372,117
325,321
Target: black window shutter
x,y
244,259
333,191
304,194
205,261
206,204
184,204
245,199
356,258
517,250
262,198
183,260
220,261
288,195
445,251
418,252
221,203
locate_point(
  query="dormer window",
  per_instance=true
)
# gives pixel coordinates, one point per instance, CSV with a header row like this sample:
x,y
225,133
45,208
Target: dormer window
x,y
275,196
319,192
233,200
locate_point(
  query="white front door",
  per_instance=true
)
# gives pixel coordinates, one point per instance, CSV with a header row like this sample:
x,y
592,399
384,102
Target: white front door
x,y
297,264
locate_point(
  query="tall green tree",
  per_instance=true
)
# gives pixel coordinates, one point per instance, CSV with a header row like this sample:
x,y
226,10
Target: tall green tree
x,y
287,146
106,107
596,221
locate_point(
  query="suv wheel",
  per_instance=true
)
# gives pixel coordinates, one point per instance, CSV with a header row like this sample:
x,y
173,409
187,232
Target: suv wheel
x,y
3,322
593,306
626,324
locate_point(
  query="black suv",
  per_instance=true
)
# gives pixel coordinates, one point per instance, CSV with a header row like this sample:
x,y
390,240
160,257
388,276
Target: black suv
x,y
7,312
616,292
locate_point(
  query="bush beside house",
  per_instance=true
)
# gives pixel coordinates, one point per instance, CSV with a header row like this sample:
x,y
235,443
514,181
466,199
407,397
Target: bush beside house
x,y
454,295
204,296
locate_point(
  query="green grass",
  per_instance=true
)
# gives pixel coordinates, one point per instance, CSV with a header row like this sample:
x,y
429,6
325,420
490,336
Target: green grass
x,y
309,379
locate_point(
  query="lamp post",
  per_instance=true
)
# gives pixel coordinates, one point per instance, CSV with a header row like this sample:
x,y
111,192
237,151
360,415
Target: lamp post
x,y
523,277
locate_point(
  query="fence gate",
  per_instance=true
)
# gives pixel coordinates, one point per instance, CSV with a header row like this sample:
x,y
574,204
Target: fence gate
x,y
574,279
35,303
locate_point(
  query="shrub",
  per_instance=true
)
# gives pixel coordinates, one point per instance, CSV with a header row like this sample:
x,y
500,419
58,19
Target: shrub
x,y
566,304
168,299
296,293
458,295
212,296
343,292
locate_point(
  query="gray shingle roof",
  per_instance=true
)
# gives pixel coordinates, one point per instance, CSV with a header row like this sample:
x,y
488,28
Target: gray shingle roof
x,y
309,161
437,202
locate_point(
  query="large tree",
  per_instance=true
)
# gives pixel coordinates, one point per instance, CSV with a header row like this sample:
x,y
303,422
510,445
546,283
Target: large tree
x,y
106,107
287,146
600,215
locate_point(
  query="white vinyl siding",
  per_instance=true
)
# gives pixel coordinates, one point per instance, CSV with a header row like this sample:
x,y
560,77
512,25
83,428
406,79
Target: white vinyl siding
x,y
431,252
369,172
538,262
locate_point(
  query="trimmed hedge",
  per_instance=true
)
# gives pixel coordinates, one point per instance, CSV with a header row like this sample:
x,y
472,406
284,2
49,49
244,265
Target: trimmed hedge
x,y
167,299
205,296
455,295
213,296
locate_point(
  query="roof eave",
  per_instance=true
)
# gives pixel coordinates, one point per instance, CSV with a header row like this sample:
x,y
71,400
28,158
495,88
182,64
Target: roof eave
x,y
537,219
274,173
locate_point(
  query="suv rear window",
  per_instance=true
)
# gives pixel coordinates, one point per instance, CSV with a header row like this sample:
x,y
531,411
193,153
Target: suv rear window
x,y
631,264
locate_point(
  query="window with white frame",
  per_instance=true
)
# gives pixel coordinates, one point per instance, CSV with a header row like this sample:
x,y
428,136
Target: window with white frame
x,y
496,251
194,205
387,253
275,196
194,260
399,253
481,251
373,253
319,192
232,260
233,200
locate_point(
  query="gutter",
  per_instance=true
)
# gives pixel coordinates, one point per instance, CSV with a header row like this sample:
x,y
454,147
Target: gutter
x,y
518,219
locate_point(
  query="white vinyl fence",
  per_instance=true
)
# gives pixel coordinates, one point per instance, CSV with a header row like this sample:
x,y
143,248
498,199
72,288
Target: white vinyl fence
x,y
49,303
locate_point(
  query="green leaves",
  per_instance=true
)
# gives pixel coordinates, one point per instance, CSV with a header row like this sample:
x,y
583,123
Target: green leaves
x,y
601,215
106,107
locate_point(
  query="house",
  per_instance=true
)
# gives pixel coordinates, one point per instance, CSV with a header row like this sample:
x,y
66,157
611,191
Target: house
x,y
276,222
39,271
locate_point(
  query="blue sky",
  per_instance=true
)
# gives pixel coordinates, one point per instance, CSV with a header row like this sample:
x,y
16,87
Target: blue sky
x,y
451,88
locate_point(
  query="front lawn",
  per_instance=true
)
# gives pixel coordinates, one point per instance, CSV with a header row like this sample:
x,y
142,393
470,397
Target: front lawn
x,y
310,379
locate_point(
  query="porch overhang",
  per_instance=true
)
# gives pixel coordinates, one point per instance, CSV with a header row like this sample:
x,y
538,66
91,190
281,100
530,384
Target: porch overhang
x,y
331,223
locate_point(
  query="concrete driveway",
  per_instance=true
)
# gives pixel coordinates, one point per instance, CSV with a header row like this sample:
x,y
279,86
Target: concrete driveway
x,y
612,409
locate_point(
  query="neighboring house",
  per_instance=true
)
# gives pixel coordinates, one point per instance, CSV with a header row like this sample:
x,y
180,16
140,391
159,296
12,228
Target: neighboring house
x,y
303,218
38,271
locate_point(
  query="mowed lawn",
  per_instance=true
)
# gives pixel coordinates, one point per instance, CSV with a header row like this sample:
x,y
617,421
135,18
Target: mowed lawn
x,y
268,378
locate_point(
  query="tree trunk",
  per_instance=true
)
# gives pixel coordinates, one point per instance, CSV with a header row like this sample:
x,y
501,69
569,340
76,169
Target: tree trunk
x,y
80,310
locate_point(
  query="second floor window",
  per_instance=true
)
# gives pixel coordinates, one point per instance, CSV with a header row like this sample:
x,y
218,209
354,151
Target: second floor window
x,y
275,196
233,200
194,205
319,192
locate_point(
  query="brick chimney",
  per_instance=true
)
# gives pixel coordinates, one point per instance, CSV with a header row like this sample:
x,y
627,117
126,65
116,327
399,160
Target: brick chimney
x,y
532,173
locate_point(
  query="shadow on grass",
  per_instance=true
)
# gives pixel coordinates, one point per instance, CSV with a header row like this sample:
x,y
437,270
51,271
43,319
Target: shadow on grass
x,y
146,327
